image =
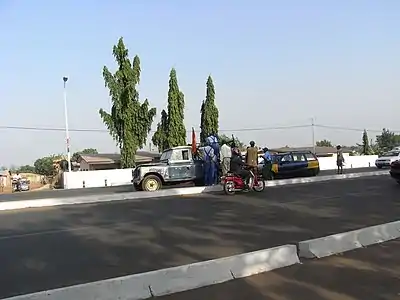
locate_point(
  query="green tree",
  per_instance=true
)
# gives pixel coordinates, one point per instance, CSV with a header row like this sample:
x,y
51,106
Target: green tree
x,y
209,113
324,143
224,139
75,156
44,165
160,136
387,140
129,121
176,131
26,169
365,146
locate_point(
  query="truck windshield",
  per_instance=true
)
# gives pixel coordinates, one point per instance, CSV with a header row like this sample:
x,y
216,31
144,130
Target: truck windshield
x,y
391,153
166,155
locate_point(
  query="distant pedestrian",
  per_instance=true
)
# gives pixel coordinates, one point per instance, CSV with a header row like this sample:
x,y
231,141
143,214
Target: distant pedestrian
x,y
339,159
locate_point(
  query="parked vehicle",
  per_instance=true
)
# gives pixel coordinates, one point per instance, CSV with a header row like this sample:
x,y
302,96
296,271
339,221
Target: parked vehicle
x,y
291,164
233,183
395,170
387,158
177,165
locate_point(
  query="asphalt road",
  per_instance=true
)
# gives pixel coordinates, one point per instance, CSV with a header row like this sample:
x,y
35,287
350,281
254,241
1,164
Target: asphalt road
x,y
114,190
372,273
48,248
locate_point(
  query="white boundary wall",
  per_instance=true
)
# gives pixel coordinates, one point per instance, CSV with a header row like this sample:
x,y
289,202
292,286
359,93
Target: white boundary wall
x,y
74,180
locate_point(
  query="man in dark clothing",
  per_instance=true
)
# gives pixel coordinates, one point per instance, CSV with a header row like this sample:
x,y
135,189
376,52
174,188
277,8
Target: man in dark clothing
x,y
237,164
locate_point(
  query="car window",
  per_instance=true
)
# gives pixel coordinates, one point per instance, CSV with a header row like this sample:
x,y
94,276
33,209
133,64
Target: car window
x,y
391,153
299,157
180,155
310,156
287,158
185,154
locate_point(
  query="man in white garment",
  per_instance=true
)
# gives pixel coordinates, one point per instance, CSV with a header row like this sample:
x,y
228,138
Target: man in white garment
x,y
16,177
225,156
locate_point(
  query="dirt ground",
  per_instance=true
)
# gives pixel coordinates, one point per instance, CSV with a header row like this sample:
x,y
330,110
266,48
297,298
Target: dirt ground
x,y
7,189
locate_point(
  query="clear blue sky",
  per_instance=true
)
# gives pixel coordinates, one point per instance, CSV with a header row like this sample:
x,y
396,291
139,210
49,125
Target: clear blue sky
x,y
273,63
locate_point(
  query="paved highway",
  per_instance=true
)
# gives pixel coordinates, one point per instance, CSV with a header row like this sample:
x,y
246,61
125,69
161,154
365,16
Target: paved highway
x,y
113,190
372,273
47,248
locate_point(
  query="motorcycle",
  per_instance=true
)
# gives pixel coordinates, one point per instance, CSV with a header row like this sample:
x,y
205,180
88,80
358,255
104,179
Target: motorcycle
x,y
16,186
233,183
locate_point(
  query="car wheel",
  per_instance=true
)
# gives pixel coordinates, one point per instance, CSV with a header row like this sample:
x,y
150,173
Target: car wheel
x,y
151,183
379,167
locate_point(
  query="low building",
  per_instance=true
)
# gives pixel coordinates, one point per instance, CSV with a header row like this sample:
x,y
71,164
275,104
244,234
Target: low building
x,y
104,161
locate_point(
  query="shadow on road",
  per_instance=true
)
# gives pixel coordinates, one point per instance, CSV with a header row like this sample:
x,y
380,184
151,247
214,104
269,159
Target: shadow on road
x,y
95,242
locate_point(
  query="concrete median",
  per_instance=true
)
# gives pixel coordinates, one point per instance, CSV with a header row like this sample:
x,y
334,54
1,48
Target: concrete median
x,y
176,279
342,242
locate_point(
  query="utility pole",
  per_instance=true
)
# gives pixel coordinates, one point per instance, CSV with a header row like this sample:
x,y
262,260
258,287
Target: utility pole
x,y
313,133
65,79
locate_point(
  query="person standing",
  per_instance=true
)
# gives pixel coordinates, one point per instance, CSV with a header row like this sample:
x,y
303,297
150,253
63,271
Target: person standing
x,y
225,156
267,164
339,159
212,141
252,157
210,161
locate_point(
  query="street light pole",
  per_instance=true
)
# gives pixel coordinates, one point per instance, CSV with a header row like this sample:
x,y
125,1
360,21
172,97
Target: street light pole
x,y
65,79
313,133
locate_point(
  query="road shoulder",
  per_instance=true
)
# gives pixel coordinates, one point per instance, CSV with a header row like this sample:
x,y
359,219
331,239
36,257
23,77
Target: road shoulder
x,y
369,273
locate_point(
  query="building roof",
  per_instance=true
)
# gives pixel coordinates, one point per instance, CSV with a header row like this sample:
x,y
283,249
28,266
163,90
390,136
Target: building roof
x,y
114,158
318,150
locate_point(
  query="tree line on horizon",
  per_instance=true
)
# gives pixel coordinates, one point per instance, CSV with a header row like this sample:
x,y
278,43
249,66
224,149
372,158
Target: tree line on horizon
x,y
384,142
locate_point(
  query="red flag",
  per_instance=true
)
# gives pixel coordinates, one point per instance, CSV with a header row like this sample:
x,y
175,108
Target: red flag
x,y
194,146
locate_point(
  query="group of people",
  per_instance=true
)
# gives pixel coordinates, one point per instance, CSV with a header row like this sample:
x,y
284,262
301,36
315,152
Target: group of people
x,y
218,160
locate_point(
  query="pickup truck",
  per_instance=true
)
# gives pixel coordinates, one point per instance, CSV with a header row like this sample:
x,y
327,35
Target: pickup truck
x,y
177,165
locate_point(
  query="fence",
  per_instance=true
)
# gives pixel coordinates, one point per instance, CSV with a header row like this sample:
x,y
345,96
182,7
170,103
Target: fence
x,y
102,178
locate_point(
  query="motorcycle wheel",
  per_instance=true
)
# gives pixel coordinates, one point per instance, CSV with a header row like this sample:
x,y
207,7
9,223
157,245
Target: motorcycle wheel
x,y
229,188
260,186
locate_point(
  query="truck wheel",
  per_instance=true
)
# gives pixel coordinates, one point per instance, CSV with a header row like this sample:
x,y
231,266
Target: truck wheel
x,y
151,183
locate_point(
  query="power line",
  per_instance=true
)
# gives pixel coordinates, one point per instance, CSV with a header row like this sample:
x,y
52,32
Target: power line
x,y
36,128
352,129
106,131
